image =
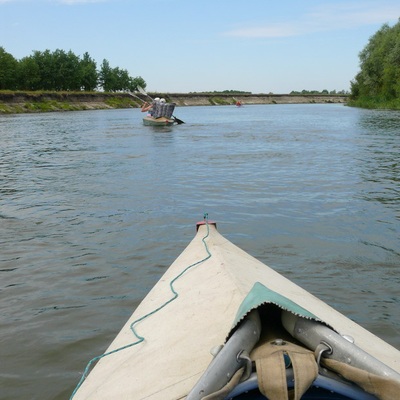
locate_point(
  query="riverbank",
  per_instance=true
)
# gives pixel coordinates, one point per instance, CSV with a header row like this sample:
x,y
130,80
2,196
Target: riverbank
x,y
374,103
30,102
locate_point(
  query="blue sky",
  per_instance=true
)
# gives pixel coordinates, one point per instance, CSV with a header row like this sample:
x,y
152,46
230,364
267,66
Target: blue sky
x,y
260,46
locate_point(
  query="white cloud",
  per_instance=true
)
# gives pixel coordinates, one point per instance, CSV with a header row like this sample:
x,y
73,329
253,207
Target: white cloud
x,y
324,18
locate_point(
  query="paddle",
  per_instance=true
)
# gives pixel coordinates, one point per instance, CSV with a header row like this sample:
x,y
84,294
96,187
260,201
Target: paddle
x,y
133,95
141,90
137,97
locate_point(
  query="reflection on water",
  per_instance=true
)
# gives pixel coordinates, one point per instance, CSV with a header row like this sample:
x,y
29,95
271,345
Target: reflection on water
x,y
94,207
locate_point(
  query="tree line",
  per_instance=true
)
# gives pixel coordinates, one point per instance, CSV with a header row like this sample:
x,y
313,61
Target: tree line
x,y
63,71
318,92
379,75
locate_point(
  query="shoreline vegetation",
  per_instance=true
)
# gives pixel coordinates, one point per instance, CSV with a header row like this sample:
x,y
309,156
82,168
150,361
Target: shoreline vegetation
x,y
17,102
375,103
377,84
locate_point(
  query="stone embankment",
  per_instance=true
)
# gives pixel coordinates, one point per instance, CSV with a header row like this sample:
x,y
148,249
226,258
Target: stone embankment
x,y
25,102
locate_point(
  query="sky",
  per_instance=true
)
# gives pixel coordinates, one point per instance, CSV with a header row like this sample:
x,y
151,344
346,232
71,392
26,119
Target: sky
x,y
182,46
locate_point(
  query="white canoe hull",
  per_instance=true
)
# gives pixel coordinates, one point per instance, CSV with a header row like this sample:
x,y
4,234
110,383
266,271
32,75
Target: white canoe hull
x,y
178,338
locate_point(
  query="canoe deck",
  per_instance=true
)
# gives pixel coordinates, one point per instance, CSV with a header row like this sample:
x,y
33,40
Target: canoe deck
x,y
211,278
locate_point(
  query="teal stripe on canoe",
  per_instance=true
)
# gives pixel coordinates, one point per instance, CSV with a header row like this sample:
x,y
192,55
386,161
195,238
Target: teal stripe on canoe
x,y
260,295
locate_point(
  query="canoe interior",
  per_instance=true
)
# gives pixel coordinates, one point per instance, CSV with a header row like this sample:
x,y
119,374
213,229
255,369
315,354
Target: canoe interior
x,y
313,393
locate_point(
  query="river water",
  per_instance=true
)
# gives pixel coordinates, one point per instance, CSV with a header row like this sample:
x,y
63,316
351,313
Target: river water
x,y
94,207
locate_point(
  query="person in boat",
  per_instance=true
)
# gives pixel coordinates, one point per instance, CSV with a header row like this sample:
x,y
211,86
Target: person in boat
x,y
150,107
163,109
158,108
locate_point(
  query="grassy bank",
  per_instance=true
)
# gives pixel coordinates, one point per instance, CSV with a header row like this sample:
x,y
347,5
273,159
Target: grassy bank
x,y
29,102
375,103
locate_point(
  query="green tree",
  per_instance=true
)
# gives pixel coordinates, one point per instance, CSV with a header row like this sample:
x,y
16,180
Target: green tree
x,y
136,82
89,74
65,70
379,75
59,70
8,69
44,61
106,78
117,79
28,74
122,79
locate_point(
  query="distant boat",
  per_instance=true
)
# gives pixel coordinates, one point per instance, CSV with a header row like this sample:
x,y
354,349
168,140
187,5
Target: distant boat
x,y
267,335
239,103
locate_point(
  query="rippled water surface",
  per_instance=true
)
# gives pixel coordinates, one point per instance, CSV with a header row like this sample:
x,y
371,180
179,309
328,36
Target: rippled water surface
x,y
94,207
